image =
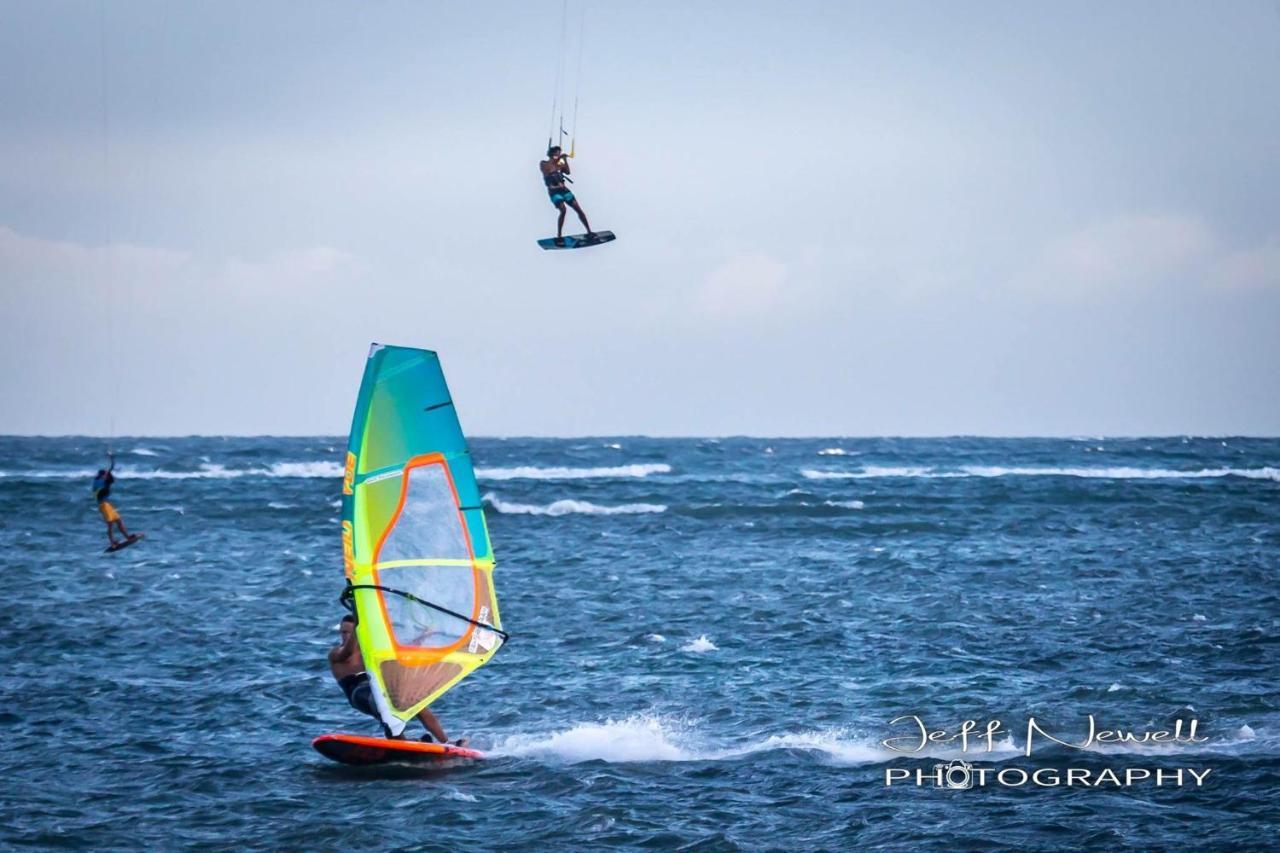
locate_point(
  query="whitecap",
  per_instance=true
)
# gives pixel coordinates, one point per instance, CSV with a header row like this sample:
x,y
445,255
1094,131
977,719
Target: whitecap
x,y
530,472
700,645
1109,473
306,469
569,507
206,471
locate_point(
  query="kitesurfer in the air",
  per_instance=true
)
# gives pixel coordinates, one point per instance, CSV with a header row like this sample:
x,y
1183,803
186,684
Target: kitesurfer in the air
x,y
555,174
347,665
101,491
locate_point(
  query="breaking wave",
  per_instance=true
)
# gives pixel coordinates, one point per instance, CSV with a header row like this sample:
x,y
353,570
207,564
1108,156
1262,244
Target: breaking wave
x,y
206,471
569,507
530,472
1116,473
700,645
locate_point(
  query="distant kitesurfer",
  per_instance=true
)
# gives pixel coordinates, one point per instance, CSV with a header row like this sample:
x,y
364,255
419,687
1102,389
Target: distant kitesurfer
x,y
347,665
555,174
101,491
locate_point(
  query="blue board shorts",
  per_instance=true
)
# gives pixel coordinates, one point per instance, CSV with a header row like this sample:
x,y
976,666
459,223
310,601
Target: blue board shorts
x,y
560,195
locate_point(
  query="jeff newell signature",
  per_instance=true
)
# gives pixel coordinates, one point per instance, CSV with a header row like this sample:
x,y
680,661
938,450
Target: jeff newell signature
x,y
918,736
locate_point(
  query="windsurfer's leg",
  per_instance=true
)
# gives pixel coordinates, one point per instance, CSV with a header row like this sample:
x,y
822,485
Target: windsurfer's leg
x,y
110,533
560,222
120,527
433,725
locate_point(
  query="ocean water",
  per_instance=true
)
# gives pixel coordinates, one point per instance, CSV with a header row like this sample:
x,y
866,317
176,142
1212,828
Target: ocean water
x,y
710,639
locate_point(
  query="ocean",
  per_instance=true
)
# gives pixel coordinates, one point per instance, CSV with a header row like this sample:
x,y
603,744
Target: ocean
x,y
716,644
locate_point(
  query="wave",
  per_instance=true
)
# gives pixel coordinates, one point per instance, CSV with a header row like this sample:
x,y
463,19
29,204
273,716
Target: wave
x,y
569,507
206,471
1114,473
529,472
700,645
837,451
305,469
143,451
872,472
1126,473
644,738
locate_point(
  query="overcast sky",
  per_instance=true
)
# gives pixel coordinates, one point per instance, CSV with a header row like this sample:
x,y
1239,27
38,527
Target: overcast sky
x,y
833,218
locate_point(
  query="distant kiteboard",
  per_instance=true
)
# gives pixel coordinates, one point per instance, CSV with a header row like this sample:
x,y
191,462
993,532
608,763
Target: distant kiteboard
x,y
134,537
363,751
579,241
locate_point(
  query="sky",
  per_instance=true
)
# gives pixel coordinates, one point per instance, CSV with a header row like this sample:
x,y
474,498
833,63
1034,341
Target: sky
x,y
998,218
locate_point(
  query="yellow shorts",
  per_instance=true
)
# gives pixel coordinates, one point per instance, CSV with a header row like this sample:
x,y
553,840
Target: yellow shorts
x,y
109,513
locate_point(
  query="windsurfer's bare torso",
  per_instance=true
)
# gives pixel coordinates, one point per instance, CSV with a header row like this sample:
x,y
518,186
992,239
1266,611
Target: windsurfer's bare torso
x,y
345,658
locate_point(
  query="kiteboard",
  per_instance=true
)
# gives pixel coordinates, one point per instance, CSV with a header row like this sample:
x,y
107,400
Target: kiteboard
x,y
578,241
124,543
364,751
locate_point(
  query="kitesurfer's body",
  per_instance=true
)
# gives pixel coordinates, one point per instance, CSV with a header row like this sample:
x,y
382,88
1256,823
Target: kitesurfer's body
x,y
101,491
555,174
347,665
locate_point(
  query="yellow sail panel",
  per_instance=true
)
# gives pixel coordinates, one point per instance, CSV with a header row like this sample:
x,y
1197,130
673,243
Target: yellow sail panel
x,y
420,563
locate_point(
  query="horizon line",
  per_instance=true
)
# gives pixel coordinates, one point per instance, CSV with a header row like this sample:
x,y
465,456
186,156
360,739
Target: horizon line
x,y
672,436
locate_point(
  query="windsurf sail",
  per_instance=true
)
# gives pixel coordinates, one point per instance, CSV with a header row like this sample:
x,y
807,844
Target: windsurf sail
x,y
416,549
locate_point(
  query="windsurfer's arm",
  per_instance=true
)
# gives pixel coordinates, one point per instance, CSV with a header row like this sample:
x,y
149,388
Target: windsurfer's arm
x,y
111,457
342,653
433,725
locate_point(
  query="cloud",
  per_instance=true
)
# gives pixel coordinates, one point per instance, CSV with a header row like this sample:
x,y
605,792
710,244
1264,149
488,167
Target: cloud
x,y
33,261
1134,251
286,269
745,286
1142,252
1249,268
30,263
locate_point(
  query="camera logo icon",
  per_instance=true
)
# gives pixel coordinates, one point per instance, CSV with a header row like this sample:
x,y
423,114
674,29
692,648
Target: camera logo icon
x,y
956,775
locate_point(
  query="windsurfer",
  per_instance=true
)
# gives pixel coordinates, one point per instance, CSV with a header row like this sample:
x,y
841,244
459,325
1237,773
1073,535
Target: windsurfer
x,y
101,491
555,174
347,665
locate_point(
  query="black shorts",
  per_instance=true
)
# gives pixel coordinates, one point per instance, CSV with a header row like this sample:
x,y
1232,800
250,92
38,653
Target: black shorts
x,y
360,693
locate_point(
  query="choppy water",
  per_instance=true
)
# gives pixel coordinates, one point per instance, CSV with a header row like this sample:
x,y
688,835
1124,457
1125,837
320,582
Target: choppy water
x,y
709,638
